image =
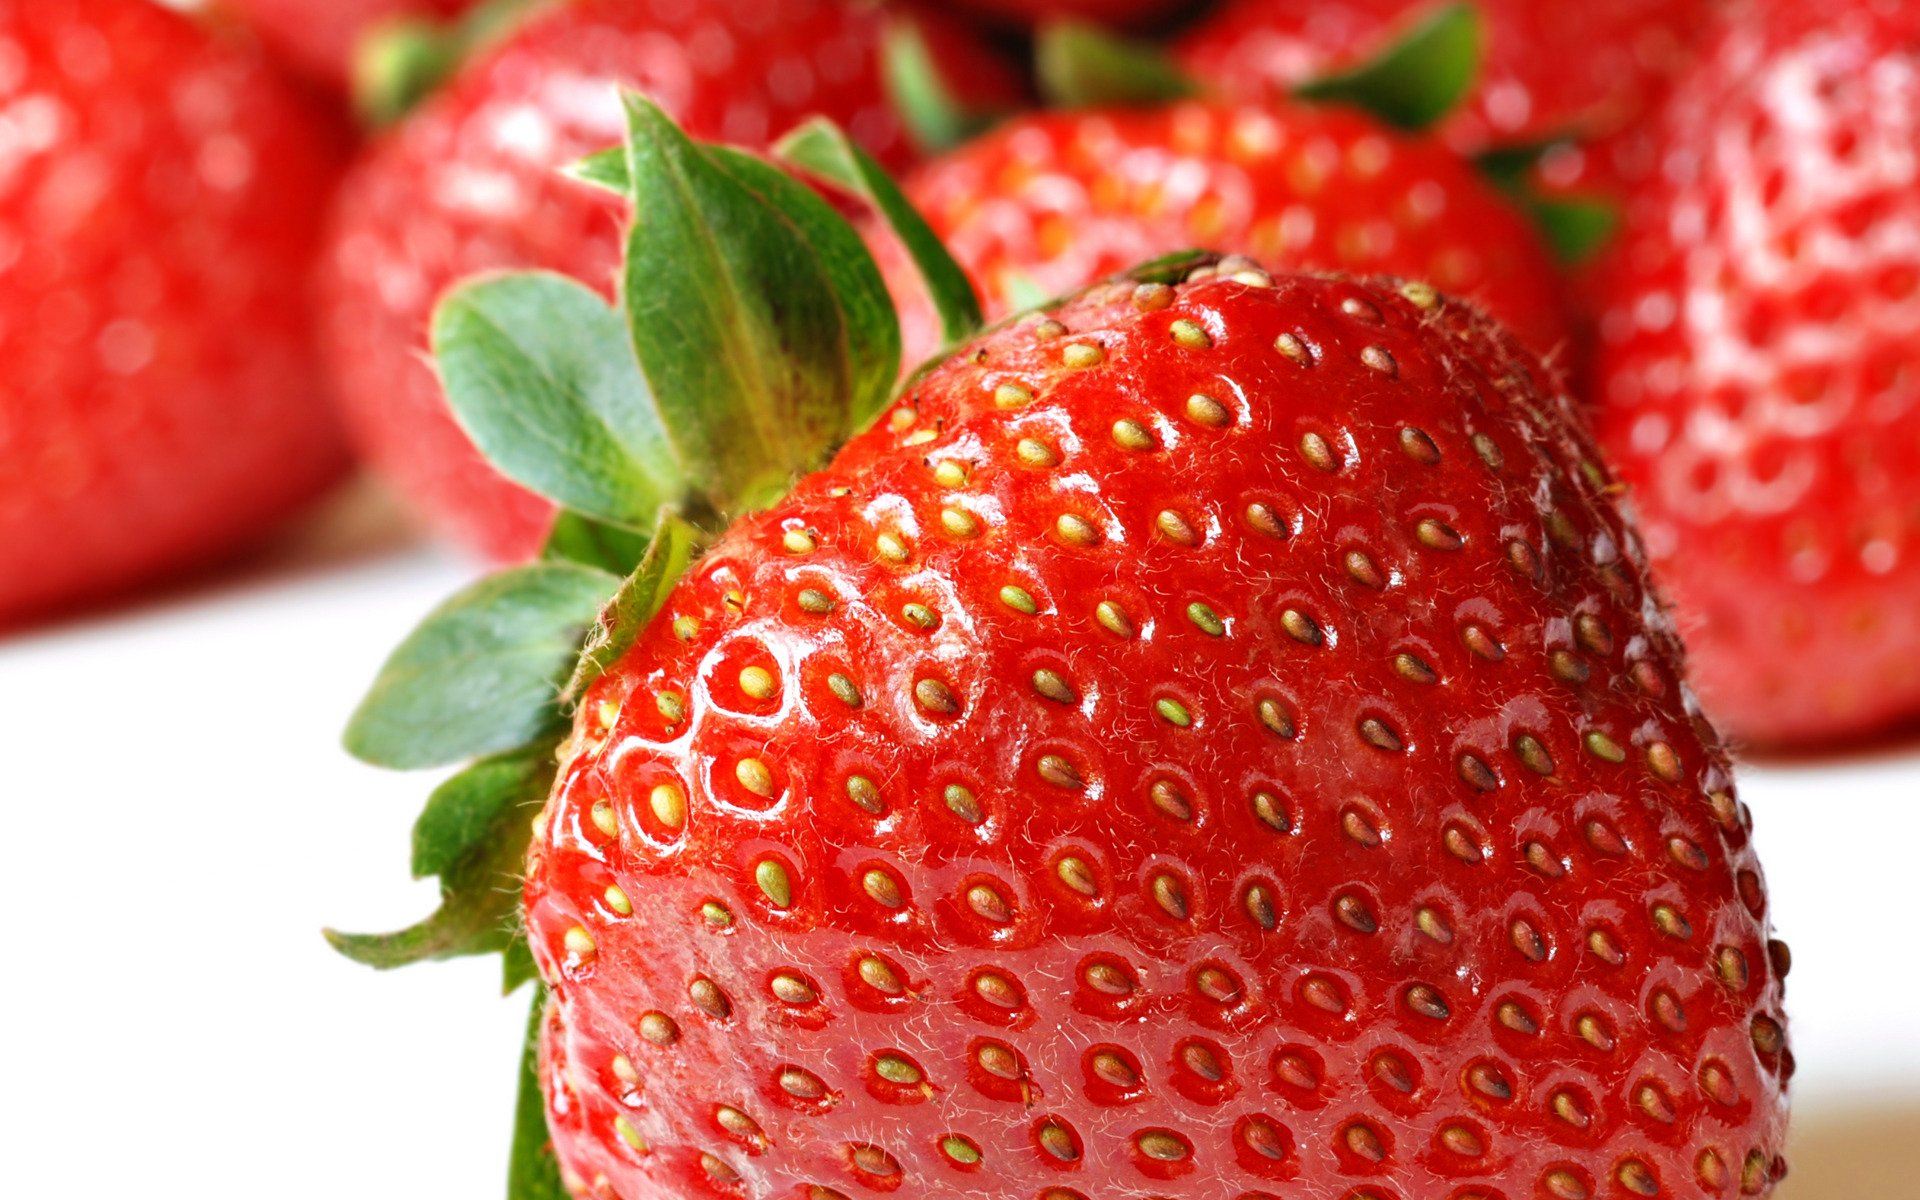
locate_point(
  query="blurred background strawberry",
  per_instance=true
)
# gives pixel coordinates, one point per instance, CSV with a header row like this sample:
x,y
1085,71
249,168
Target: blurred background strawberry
x,y
161,199
323,38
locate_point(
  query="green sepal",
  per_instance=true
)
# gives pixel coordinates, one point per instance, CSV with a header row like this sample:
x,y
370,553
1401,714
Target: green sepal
x,y
1023,291
538,371
483,672
517,967
675,541
823,149
473,834
935,118
533,1173
604,169
1171,268
576,538
1081,65
1573,227
759,362
1417,80
404,60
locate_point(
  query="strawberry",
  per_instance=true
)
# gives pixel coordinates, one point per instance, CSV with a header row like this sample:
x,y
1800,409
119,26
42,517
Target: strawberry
x,y
1209,737
1754,381
323,37
1030,13
1572,73
160,197
1050,200
470,183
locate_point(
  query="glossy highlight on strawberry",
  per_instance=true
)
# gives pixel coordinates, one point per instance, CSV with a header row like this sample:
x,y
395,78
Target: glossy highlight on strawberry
x,y
1210,738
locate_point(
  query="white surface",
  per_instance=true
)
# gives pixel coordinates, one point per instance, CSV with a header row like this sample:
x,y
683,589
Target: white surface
x,y
180,823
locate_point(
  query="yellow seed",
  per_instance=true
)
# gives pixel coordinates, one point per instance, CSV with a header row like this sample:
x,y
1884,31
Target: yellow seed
x,y
891,547
882,888
879,976
1036,453
1012,395
604,818
1188,333
1207,411
629,1134
1076,529
844,690
815,601
798,541
1205,619
757,682
578,942
617,901
962,803
919,615
1173,712
754,776
921,437
1292,347
1131,435
774,881
950,473
1082,354
1018,599
659,1029
935,696
958,522
1175,527
1114,619
1075,873
960,1150
685,627
1420,295
1377,358
623,1069
1054,687
716,914
895,1069
671,706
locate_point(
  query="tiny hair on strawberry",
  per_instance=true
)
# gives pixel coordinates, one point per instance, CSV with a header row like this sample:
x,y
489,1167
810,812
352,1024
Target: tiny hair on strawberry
x,y
1207,736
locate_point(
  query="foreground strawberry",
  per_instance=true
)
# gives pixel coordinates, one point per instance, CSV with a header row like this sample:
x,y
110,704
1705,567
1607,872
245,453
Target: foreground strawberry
x,y
1208,738
160,197
1756,379
471,182
1050,200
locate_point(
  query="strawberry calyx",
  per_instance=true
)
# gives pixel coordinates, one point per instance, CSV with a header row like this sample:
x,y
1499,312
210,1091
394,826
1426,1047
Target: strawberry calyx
x,y
936,117
1411,84
752,336
404,60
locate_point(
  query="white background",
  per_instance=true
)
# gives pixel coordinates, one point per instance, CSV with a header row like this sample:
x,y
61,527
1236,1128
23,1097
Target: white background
x,y
180,823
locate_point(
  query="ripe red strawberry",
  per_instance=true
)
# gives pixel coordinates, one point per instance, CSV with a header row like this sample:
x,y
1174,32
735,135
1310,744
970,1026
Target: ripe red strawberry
x,y
160,197
1553,70
322,37
1211,737
470,183
1756,380
1212,740
1050,200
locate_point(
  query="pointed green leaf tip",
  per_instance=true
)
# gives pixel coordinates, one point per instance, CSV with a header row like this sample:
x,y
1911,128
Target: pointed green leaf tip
x,y
483,672
533,1173
1417,80
473,835
936,118
1081,65
821,149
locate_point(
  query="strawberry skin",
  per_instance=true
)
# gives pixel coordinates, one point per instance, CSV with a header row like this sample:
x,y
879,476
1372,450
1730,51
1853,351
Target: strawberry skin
x,y
1553,70
322,37
1755,379
1211,741
1051,200
471,183
160,207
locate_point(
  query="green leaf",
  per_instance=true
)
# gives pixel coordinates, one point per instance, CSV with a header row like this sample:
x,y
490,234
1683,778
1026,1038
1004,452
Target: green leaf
x,y
1575,229
1081,65
483,672
1173,267
604,169
674,543
473,834
533,1173
735,320
935,117
1419,79
539,372
1023,292
821,148
575,538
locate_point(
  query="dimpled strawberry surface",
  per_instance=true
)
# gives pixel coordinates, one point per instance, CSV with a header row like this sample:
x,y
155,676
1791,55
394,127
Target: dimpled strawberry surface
x,y
1210,740
1048,201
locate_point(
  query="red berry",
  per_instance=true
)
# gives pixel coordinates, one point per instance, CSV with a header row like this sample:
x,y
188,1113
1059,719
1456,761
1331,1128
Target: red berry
x,y
1210,740
322,37
1050,200
470,183
1553,70
1756,379
160,205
